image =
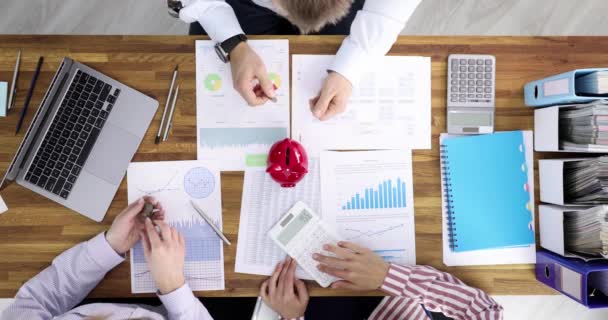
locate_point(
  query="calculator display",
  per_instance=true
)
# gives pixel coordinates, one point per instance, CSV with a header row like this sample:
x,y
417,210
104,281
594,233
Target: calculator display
x,y
470,119
295,225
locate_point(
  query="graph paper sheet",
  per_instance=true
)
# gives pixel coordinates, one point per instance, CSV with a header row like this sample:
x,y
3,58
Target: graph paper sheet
x,y
264,203
368,197
390,107
174,184
227,128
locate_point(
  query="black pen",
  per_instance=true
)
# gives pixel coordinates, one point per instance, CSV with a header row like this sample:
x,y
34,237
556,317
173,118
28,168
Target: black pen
x,y
29,95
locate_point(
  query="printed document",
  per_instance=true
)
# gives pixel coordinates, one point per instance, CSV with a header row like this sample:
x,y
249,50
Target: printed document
x,y
175,184
390,108
368,196
228,129
264,203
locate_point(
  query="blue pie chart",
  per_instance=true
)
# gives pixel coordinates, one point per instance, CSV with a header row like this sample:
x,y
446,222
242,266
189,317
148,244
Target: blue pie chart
x,y
199,182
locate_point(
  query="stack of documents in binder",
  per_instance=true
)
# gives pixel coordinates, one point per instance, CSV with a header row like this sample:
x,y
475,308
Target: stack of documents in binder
x,y
584,128
586,181
593,84
586,231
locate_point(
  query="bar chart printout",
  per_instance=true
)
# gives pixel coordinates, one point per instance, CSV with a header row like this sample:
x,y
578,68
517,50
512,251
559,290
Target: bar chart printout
x,y
387,194
368,197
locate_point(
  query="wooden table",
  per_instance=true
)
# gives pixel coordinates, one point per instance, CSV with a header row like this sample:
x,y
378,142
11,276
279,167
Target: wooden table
x,y
35,230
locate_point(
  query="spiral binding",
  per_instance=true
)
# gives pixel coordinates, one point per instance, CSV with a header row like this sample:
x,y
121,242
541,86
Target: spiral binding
x,y
446,181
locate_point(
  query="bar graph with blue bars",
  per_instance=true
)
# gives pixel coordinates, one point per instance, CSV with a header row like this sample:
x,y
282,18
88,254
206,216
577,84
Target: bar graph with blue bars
x,y
387,194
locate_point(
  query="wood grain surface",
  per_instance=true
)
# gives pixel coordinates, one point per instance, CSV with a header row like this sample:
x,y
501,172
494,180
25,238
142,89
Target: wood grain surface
x,y
35,230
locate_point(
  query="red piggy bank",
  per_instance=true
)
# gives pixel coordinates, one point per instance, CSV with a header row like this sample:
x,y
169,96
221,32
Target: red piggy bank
x,y
287,163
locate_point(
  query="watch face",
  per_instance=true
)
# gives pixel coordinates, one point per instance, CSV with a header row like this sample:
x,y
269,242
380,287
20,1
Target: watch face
x,y
220,53
174,7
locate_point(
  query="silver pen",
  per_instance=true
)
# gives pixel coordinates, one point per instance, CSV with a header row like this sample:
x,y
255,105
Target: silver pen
x,y
211,224
162,120
170,118
13,92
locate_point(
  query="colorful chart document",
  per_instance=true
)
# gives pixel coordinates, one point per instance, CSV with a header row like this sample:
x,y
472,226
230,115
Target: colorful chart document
x,y
264,203
368,197
174,184
227,128
390,108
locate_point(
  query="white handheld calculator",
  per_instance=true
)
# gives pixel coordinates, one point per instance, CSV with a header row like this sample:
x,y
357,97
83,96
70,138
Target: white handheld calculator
x,y
471,93
301,233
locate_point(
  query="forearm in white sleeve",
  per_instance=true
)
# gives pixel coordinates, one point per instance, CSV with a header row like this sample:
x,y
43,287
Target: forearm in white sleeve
x,y
181,304
372,34
68,280
215,16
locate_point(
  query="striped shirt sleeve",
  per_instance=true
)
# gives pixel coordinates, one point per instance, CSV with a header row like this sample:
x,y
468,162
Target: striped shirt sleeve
x,y
437,291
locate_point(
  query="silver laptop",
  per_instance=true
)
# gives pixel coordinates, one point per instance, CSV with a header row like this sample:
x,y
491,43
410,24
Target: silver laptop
x,y
81,140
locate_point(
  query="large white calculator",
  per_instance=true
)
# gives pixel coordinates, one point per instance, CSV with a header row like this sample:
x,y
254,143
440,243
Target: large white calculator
x,y
301,233
471,93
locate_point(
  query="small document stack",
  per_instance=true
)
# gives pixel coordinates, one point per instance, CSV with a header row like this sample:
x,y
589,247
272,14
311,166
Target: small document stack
x,y
593,84
586,231
584,129
586,181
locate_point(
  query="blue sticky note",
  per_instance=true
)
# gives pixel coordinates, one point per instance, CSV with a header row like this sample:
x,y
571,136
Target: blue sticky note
x,y
3,98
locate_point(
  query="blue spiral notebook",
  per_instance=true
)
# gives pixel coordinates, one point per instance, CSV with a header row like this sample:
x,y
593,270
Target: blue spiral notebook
x,y
487,192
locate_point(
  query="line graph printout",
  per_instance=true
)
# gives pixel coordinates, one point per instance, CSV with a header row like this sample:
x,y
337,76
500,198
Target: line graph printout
x,y
264,203
227,128
390,107
368,197
174,184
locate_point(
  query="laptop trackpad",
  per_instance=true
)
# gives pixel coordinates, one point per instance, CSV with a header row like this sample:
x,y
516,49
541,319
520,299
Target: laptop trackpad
x,y
112,153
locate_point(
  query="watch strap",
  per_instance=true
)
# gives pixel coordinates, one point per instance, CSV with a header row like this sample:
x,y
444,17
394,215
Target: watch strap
x,y
229,44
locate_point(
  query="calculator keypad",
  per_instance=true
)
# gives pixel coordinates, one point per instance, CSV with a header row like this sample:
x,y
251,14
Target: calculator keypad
x,y
471,80
302,252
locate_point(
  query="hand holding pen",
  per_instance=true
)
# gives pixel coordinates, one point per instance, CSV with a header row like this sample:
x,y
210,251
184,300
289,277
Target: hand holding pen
x,y
125,230
260,93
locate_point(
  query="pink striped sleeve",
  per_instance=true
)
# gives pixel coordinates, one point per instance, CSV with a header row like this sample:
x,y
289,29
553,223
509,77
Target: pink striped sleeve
x,y
439,292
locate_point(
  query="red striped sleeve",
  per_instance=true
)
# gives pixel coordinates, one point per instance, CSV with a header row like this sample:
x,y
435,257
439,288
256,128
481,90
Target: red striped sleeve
x,y
413,286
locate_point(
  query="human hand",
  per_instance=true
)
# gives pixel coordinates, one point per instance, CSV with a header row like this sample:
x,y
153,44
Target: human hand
x,y
283,292
360,267
125,229
247,67
165,254
333,97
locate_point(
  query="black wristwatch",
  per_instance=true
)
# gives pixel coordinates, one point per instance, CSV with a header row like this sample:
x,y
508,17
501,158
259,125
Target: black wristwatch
x,y
223,49
174,6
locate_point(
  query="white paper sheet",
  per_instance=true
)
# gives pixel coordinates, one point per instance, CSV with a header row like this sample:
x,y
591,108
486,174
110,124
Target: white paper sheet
x,y
368,197
227,128
390,107
3,207
264,202
515,255
174,184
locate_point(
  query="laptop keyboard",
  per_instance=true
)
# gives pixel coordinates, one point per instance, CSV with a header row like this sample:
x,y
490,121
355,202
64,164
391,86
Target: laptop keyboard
x,y
72,134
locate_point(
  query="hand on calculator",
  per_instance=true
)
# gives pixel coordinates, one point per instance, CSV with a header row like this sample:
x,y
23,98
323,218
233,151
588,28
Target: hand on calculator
x,y
359,267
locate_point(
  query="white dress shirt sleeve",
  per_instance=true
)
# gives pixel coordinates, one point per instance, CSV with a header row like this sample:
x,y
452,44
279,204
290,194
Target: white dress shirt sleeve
x,y
181,304
68,280
215,16
372,34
